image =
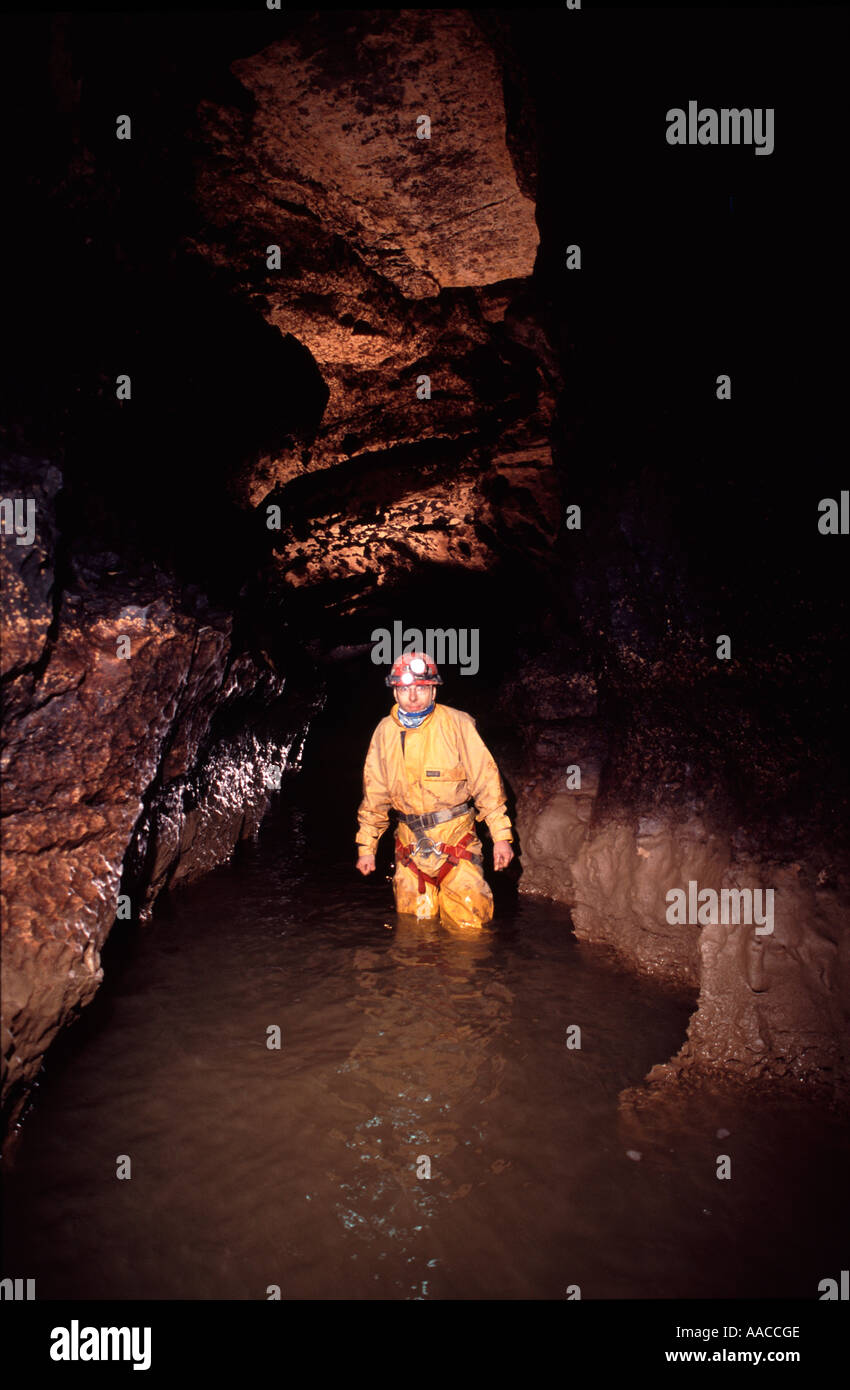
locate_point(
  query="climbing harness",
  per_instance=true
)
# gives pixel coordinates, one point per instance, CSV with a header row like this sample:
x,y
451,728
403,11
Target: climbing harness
x,y
454,854
426,847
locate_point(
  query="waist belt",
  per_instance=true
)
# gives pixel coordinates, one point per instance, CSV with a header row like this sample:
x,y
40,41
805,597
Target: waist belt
x,y
420,823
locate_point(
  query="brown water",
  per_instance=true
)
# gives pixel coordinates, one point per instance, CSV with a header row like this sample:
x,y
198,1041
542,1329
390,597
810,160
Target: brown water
x,y
300,1167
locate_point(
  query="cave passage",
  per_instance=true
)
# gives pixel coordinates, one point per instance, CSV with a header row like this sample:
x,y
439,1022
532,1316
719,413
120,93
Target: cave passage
x,y
299,1167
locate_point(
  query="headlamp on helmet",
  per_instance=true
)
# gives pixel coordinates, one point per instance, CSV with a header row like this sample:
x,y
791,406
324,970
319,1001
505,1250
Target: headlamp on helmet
x,y
414,668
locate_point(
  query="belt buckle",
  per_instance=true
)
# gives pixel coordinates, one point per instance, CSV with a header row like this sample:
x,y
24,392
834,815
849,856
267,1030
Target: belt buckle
x,y
429,847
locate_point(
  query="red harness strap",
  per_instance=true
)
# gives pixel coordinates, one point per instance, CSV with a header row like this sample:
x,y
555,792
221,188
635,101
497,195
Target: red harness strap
x,y
455,854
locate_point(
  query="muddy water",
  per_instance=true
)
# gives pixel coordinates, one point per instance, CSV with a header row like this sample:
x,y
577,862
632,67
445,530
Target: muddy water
x,y
403,1046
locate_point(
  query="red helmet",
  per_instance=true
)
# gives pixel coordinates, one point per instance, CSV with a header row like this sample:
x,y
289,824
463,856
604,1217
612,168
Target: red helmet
x,y
414,668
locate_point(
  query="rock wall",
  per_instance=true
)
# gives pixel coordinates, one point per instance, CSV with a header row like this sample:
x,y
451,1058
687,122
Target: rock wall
x,y
133,749
770,1006
404,266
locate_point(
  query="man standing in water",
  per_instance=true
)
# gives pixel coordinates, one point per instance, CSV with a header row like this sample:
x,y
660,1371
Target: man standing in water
x,y
430,764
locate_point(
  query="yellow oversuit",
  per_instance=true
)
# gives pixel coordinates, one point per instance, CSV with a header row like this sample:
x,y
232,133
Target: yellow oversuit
x,y
435,767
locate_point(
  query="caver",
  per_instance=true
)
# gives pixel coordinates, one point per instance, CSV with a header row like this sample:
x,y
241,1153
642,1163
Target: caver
x,y
429,762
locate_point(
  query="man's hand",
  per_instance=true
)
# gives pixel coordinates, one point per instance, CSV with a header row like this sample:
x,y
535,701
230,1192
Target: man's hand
x,y
502,854
366,863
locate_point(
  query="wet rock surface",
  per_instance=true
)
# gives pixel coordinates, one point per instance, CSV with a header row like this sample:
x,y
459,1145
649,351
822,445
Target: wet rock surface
x,y
26,570
657,808
111,758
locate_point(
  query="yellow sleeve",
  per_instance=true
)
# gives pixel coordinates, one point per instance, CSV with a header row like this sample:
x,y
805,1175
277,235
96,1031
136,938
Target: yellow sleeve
x,y
484,781
373,812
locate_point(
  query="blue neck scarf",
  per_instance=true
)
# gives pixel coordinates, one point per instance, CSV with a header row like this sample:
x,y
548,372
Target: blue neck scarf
x,y
412,721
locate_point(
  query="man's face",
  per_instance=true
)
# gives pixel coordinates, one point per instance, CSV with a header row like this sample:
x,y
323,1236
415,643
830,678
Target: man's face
x,y
412,698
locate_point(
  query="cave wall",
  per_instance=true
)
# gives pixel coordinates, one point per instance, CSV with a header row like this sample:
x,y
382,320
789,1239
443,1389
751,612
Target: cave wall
x,y
770,1007
149,713
650,766
139,747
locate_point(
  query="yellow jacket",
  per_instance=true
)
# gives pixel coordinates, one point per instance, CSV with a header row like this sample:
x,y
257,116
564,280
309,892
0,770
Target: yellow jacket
x,y
445,761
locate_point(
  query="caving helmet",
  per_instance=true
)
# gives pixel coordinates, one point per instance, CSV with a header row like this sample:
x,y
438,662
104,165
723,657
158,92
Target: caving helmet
x,y
414,668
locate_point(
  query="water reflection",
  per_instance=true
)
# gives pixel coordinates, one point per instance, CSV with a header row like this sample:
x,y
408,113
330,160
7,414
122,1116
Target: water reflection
x,y
427,1046
407,1048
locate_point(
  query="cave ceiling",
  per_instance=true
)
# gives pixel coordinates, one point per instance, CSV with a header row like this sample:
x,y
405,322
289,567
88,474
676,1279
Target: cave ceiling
x,y
405,265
